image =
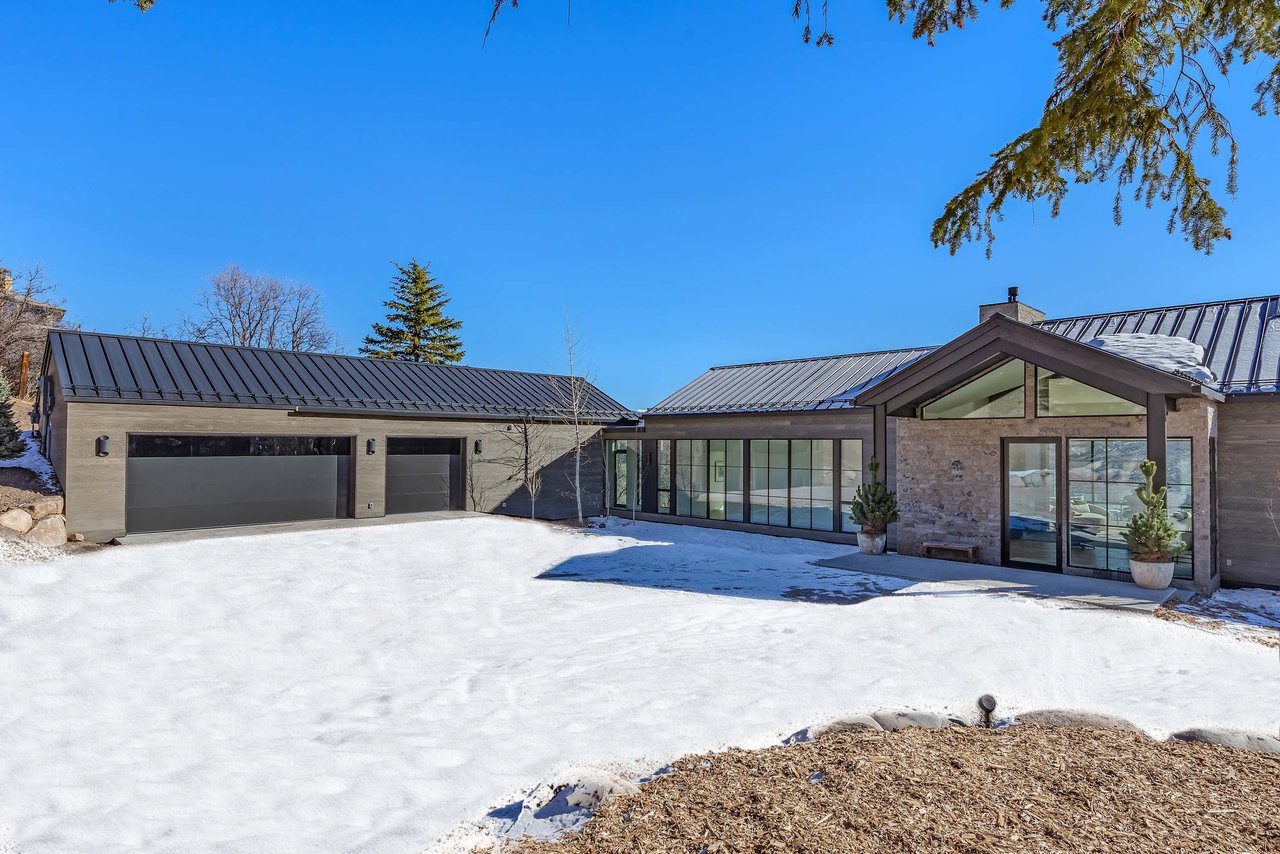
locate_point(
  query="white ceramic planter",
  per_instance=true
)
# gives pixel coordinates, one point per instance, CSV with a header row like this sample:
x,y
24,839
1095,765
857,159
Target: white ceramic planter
x,y
872,544
1152,576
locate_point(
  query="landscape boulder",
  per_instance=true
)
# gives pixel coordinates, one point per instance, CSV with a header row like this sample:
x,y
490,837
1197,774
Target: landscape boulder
x,y
1230,738
1074,718
17,520
49,505
893,721
49,531
589,789
849,724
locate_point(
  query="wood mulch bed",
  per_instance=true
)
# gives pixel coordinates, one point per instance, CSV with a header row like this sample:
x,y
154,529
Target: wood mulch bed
x,y
1025,788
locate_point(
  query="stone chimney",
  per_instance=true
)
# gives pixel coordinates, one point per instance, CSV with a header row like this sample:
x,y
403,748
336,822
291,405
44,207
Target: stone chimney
x,y
6,280
1011,308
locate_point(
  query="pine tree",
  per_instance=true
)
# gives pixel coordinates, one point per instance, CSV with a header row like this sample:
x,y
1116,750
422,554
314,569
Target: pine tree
x,y
417,329
11,442
1151,536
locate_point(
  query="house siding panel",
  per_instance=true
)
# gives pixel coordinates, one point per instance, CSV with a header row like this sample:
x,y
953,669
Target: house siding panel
x,y
1249,491
95,486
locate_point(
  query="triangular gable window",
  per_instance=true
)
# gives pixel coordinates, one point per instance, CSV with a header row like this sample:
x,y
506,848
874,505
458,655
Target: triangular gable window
x,y
995,394
1058,395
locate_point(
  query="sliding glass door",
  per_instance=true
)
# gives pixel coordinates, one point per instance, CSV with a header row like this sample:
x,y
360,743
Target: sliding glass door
x,y
1032,533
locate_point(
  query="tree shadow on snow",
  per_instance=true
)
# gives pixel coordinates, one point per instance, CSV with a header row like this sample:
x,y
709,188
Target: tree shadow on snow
x,y
725,570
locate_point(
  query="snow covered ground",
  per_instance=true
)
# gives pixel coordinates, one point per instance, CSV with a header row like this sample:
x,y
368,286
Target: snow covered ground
x,y
375,688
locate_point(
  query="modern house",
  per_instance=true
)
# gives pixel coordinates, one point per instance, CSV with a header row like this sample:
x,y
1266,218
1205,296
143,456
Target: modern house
x,y
157,435
1021,437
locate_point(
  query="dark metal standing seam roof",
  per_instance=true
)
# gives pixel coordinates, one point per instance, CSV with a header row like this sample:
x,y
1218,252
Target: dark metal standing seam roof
x,y
97,367
1241,338
828,382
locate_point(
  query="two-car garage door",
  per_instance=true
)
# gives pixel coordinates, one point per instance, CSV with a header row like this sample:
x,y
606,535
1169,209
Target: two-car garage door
x,y
179,482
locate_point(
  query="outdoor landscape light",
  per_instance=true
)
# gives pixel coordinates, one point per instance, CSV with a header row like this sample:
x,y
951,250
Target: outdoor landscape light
x,y
371,447
102,445
987,704
479,447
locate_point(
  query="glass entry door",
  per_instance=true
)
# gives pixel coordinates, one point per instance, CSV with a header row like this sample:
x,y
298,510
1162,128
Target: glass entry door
x,y
1032,530
621,490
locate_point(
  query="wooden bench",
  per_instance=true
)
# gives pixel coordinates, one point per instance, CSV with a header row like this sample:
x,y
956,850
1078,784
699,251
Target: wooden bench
x,y
951,551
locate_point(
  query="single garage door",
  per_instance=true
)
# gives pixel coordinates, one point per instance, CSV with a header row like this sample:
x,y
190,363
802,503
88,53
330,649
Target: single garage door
x,y
179,482
423,474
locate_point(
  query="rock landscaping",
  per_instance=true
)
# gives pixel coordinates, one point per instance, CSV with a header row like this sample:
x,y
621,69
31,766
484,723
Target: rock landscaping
x,y
1031,787
30,507
38,520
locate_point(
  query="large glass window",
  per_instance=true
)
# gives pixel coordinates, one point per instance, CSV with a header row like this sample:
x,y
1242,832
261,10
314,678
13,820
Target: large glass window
x,y
812,484
1104,478
664,475
1059,395
850,480
769,477
708,478
995,394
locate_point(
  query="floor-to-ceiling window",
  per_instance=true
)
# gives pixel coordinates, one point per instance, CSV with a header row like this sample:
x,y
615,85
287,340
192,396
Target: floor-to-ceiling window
x,y
813,484
1104,477
787,483
664,475
708,479
850,480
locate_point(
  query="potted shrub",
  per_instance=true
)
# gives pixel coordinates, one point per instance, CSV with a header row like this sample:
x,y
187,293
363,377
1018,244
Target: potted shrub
x,y
874,509
1153,541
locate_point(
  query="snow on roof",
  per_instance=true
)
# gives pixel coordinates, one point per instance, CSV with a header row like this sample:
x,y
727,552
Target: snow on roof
x,y
1166,352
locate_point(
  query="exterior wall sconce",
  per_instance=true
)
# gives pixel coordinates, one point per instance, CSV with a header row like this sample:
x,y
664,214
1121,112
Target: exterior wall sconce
x,y
371,447
479,447
102,446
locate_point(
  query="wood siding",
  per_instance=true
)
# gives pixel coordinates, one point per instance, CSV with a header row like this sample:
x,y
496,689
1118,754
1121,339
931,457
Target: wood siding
x,y
1248,479
95,486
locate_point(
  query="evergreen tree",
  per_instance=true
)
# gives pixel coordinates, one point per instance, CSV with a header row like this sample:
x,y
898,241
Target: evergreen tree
x,y
11,441
417,329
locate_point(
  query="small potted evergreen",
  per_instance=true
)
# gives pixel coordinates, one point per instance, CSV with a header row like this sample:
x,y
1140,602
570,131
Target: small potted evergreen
x,y
1154,543
874,509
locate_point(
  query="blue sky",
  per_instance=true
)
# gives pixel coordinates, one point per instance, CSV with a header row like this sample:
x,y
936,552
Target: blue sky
x,y
687,180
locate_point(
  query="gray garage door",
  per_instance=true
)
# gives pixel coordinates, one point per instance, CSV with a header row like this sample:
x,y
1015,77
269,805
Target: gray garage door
x,y
423,474
179,482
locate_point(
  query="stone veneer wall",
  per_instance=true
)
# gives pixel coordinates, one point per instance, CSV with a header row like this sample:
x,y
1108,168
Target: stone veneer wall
x,y
949,478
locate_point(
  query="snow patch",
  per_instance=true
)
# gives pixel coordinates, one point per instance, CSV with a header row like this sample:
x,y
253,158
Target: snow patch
x,y
34,461
1166,352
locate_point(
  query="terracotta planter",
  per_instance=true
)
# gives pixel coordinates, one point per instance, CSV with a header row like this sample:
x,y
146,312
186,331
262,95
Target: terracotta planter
x,y
1152,576
872,544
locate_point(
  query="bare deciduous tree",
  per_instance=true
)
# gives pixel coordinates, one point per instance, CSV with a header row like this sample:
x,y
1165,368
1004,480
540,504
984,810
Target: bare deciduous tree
x,y
256,310
477,490
1270,503
529,451
147,328
642,471
27,311
572,394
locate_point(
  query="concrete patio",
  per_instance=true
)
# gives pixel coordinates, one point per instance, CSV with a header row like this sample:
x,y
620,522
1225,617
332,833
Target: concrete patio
x,y
1119,595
